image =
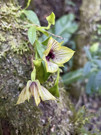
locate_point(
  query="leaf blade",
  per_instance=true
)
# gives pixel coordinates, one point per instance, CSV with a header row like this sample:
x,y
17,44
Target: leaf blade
x,y
32,34
31,16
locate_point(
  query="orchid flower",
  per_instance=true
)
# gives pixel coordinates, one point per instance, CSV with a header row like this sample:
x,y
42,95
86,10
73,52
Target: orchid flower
x,y
56,55
33,88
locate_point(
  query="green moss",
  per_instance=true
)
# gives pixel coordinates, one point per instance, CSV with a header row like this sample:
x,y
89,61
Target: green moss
x,y
2,38
12,27
14,73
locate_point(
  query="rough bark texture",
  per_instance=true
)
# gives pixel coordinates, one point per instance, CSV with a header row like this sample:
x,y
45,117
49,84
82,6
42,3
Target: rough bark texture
x,y
15,67
90,10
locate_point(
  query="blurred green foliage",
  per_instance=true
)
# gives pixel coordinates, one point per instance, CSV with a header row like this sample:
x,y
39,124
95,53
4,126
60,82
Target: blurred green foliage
x,y
65,27
90,73
70,3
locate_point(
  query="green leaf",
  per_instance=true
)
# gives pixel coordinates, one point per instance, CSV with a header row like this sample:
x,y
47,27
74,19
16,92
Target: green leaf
x,y
98,80
31,16
41,73
45,42
40,48
55,89
88,53
98,62
87,68
91,84
94,47
32,34
33,74
72,76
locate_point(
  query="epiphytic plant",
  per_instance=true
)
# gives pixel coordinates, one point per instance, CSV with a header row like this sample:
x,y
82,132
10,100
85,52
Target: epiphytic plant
x,y
48,58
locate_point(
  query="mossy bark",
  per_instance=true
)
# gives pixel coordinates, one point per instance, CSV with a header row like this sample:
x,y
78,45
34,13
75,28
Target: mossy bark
x,y
15,67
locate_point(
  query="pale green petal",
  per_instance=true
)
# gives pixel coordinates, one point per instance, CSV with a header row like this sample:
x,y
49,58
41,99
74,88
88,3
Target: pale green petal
x,y
23,96
55,45
50,41
51,67
27,89
36,96
63,55
35,92
52,45
45,94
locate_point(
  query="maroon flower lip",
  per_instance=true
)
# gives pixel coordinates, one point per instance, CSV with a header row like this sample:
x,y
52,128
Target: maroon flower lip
x,y
51,55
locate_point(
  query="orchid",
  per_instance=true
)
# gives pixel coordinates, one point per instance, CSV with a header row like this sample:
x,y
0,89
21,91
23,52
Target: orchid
x,y
56,55
33,88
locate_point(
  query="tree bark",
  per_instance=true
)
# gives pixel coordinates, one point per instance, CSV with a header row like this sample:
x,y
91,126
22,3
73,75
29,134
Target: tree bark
x,y
90,10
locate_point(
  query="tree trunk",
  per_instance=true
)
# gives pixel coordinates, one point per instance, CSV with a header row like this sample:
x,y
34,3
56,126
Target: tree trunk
x,y
15,67
90,10
89,15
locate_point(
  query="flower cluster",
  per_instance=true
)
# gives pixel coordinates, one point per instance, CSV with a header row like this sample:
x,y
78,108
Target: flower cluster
x,y
54,57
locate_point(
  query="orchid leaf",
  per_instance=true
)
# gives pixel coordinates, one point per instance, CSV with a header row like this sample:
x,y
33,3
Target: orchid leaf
x,y
31,16
41,73
40,48
45,42
32,34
